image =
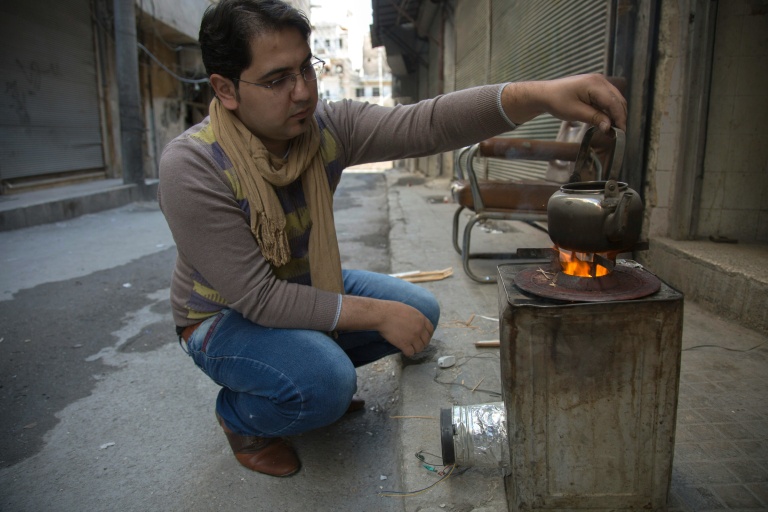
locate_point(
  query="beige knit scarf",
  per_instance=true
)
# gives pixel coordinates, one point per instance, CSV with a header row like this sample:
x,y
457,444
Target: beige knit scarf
x,y
259,171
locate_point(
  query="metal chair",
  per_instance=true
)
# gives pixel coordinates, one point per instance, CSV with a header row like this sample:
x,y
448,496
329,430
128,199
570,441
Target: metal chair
x,y
510,200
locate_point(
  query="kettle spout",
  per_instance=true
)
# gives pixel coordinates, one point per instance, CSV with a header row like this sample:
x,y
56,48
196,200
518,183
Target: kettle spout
x,y
617,223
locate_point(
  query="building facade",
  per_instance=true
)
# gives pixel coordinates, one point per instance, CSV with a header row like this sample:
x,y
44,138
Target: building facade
x,y
330,43
350,72
375,84
694,73
62,106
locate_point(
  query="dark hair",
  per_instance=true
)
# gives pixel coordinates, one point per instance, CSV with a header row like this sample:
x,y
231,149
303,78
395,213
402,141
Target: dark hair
x,y
229,26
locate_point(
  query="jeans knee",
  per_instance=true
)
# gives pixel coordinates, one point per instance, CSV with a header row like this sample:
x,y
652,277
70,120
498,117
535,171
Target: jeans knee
x,y
429,307
344,380
333,392
346,383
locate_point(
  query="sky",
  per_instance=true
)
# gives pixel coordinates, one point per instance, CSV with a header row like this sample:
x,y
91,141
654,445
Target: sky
x,y
330,10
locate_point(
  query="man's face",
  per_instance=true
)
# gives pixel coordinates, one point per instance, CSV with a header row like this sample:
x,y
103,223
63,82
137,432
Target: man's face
x,y
277,117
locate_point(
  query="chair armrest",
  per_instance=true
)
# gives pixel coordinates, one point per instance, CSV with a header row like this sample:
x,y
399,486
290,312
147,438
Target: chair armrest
x,y
458,168
474,186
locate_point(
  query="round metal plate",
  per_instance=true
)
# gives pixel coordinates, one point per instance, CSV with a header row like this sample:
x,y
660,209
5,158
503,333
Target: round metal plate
x,y
624,283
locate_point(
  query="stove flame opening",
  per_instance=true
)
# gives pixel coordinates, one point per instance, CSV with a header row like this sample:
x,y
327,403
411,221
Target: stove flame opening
x,y
581,264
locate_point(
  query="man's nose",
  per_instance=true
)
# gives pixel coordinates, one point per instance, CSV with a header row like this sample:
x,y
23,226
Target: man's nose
x,y
301,88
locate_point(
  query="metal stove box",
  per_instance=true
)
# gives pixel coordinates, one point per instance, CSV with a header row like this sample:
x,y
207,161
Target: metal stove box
x,y
590,391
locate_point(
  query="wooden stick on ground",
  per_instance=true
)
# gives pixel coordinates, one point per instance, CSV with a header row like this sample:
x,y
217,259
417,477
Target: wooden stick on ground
x,y
487,344
419,276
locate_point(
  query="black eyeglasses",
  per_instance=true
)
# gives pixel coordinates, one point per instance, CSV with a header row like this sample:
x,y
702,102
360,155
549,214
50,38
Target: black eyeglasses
x,y
286,84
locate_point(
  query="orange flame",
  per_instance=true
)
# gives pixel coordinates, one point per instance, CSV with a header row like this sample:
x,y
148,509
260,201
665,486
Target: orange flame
x,y
582,267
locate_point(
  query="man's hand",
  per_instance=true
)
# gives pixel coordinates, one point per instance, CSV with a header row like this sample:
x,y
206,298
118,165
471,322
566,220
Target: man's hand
x,y
406,328
401,325
589,99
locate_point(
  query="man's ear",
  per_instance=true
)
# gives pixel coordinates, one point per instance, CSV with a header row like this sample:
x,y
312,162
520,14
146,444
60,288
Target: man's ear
x,y
225,91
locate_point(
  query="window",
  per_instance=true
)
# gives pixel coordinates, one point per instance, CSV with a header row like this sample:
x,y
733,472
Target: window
x,y
376,92
359,92
341,43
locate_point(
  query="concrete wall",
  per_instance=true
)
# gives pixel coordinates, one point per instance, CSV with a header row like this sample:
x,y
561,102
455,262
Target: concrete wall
x,y
665,133
729,194
110,108
734,198
707,171
163,105
434,81
170,37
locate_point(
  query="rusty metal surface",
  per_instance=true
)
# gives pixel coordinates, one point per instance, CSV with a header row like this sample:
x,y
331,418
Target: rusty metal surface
x,y
624,283
591,396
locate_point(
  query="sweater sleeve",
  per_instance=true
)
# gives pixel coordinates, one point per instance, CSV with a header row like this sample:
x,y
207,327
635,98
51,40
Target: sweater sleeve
x,y
371,133
214,242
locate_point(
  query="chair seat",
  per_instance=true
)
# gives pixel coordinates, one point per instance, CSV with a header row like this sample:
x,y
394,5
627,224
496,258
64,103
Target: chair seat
x,y
520,196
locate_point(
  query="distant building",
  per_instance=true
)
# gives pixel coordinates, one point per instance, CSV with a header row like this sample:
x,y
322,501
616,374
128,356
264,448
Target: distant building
x,y
330,42
370,82
375,78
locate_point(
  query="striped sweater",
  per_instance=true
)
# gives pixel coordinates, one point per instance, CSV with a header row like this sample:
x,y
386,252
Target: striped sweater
x,y
219,264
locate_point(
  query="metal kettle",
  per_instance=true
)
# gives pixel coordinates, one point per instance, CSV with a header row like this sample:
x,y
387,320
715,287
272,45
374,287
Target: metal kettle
x,y
596,216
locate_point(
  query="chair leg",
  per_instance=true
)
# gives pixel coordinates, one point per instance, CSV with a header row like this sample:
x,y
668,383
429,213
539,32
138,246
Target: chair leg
x,y
523,257
456,229
465,253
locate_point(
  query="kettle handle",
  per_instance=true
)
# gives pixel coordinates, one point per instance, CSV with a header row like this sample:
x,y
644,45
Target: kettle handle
x,y
614,163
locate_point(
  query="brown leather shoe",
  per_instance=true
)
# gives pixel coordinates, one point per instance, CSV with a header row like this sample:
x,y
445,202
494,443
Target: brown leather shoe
x,y
355,405
272,456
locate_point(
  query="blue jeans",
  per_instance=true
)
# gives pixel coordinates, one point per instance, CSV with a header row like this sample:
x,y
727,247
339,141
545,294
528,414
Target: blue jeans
x,y
283,382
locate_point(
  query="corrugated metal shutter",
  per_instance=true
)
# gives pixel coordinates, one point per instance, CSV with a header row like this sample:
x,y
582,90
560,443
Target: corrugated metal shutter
x,y
434,57
49,116
449,49
472,43
471,19
541,41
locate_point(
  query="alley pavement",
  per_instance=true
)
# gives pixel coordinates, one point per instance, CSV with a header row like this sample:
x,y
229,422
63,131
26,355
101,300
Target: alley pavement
x,y
128,422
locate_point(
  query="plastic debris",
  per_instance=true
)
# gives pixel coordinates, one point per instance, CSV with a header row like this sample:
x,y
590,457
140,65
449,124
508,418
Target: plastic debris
x,y
446,361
